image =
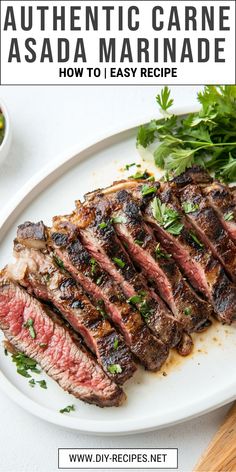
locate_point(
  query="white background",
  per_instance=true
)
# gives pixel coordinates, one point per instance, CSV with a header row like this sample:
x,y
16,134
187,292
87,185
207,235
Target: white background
x,y
47,73
46,122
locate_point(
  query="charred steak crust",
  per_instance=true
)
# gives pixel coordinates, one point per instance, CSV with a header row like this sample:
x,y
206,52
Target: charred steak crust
x,y
208,226
65,360
52,283
102,289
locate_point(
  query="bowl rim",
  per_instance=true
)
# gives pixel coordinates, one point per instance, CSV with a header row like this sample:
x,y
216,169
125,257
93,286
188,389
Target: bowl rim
x,y
7,124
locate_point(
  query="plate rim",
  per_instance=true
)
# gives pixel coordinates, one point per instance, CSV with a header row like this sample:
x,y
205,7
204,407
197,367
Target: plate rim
x,y
17,204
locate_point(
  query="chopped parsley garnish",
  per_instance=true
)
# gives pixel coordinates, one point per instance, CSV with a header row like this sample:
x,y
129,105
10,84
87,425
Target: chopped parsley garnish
x,y
139,242
119,219
206,138
42,384
99,280
43,345
144,309
135,299
195,239
25,364
93,264
59,262
67,409
159,252
119,262
229,216
189,207
141,302
101,308
175,228
114,369
127,166
116,343
187,311
5,351
166,217
140,175
102,225
32,382
30,325
146,190
163,99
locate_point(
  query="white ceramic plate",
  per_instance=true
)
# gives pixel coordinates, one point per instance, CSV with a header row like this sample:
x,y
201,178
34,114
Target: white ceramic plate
x,y
203,381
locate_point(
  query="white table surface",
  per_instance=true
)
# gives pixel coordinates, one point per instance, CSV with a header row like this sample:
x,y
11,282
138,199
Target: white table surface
x,y
46,122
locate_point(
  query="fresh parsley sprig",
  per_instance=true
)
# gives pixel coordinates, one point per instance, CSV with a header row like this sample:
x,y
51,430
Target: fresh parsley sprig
x,y
168,218
207,137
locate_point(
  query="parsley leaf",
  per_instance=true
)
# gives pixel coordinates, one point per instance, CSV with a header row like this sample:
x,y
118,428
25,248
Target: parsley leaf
x,y
24,364
30,325
163,99
168,218
42,384
58,262
114,369
67,409
195,239
102,225
146,190
229,216
101,308
139,242
119,262
116,343
141,175
187,311
159,252
189,207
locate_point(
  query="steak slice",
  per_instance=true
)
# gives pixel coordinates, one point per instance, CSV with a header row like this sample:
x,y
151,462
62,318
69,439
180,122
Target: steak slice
x,y
47,281
204,271
66,244
220,196
222,200
62,357
156,263
208,226
99,238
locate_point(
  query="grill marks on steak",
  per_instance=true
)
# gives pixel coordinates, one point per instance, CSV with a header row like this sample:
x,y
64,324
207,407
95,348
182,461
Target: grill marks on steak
x,y
219,196
97,282
63,358
210,229
222,200
107,249
47,281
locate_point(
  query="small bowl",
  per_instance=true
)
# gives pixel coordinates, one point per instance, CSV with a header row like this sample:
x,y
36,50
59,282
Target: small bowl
x,y
6,143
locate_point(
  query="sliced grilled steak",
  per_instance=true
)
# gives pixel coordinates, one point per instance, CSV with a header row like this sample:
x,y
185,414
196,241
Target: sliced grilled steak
x,y
158,265
99,238
208,226
50,283
222,200
63,358
67,246
203,270
220,196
